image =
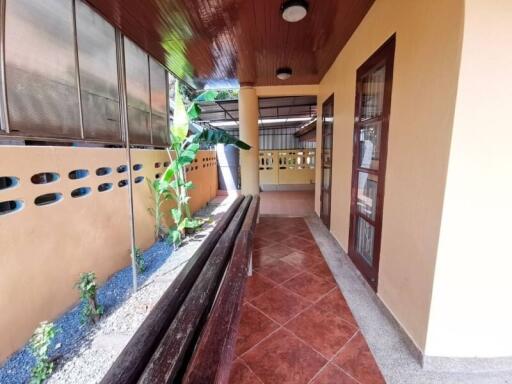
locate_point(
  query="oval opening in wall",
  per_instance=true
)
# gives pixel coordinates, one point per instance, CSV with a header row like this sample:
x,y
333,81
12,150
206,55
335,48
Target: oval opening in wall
x,y
48,199
11,206
122,168
7,182
139,179
137,167
158,175
104,187
166,164
122,183
78,174
158,165
80,192
103,171
45,177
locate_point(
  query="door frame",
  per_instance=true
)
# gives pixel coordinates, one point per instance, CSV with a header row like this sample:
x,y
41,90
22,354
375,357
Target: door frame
x,y
329,100
385,54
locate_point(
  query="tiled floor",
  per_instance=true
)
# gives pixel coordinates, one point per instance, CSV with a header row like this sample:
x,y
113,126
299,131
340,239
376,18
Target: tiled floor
x,y
296,327
287,203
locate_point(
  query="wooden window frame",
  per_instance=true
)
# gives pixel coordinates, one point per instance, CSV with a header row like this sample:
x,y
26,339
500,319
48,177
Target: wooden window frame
x,y
385,54
327,222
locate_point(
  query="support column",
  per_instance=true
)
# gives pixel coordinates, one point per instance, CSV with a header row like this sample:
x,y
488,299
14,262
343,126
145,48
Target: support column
x,y
249,133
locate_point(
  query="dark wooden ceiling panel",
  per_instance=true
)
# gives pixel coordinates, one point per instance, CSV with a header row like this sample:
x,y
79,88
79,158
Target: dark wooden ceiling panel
x,y
224,42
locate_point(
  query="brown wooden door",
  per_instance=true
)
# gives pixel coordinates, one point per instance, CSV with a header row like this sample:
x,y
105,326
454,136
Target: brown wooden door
x,y
325,187
373,102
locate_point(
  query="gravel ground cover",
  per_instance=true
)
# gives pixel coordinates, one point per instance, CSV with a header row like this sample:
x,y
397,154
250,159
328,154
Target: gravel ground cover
x,y
84,353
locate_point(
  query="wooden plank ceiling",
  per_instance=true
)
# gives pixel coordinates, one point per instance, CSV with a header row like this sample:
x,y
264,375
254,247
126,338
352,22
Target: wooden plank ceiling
x,y
226,42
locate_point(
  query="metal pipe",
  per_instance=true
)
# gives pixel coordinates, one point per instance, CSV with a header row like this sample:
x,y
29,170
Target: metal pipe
x,y
77,72
123,101
4,115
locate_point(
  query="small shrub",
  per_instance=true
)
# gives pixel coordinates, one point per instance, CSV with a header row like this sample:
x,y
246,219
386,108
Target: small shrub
x,y
39,346
87,287
139,260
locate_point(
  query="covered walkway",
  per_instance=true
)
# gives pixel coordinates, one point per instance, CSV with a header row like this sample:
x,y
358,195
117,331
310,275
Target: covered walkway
x,y
296,326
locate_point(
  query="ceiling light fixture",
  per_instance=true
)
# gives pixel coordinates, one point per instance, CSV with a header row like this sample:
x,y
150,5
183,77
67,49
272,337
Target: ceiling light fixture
x,y
284,73
294,10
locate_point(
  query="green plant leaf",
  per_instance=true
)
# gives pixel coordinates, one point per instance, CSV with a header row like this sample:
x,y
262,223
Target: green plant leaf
x,y
174,237
189,185
214,136
179,130
176,215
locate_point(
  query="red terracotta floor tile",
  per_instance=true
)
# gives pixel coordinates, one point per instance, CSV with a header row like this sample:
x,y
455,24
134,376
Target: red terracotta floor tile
x,y
321,269
303,260
256,285
309,286
297,243
254,327
276,250
241,374
278,271
261,241
284,359
335,303
356,359
261,258
323,331
305,234
333,375
280,304
276,236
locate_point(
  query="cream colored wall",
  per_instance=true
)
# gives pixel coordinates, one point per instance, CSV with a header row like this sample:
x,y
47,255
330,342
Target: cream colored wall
x,y
272,172
471,314
44,249
428,44
249,133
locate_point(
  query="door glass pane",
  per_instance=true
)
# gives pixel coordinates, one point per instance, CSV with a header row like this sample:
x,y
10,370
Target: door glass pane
x,y
372,97
369,146
42,94
367,194
365,234
98,75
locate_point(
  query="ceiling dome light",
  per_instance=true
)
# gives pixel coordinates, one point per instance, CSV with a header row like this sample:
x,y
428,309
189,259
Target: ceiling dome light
x,y
294,10
284,73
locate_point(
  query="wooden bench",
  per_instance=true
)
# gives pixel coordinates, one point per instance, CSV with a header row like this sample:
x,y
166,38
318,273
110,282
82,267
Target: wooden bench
x,y
189,336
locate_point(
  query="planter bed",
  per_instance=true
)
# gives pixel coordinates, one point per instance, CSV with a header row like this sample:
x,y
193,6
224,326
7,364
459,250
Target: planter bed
x,y
84,353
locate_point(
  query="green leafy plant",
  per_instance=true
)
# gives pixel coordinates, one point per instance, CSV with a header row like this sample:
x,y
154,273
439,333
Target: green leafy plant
x,y
40,346
87,287
139,260
173,184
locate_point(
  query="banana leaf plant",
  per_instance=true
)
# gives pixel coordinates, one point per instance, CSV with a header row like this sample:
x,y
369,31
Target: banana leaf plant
x,y
173,185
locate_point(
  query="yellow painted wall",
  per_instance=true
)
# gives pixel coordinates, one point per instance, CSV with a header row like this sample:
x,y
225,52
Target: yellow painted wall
x,y
471,312
287,167
428,46
45,248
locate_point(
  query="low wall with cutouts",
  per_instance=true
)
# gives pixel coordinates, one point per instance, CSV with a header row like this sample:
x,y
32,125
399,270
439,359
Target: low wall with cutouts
x,y
65,210
287,167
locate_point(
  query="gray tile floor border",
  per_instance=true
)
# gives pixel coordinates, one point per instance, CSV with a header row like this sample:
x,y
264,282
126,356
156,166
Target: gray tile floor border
x,y
393,351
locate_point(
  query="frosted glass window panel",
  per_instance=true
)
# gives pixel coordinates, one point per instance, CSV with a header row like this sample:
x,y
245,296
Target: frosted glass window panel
x,y
369,146
365,237
42,93
98,75
367,194
158,103
137,89
372,102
